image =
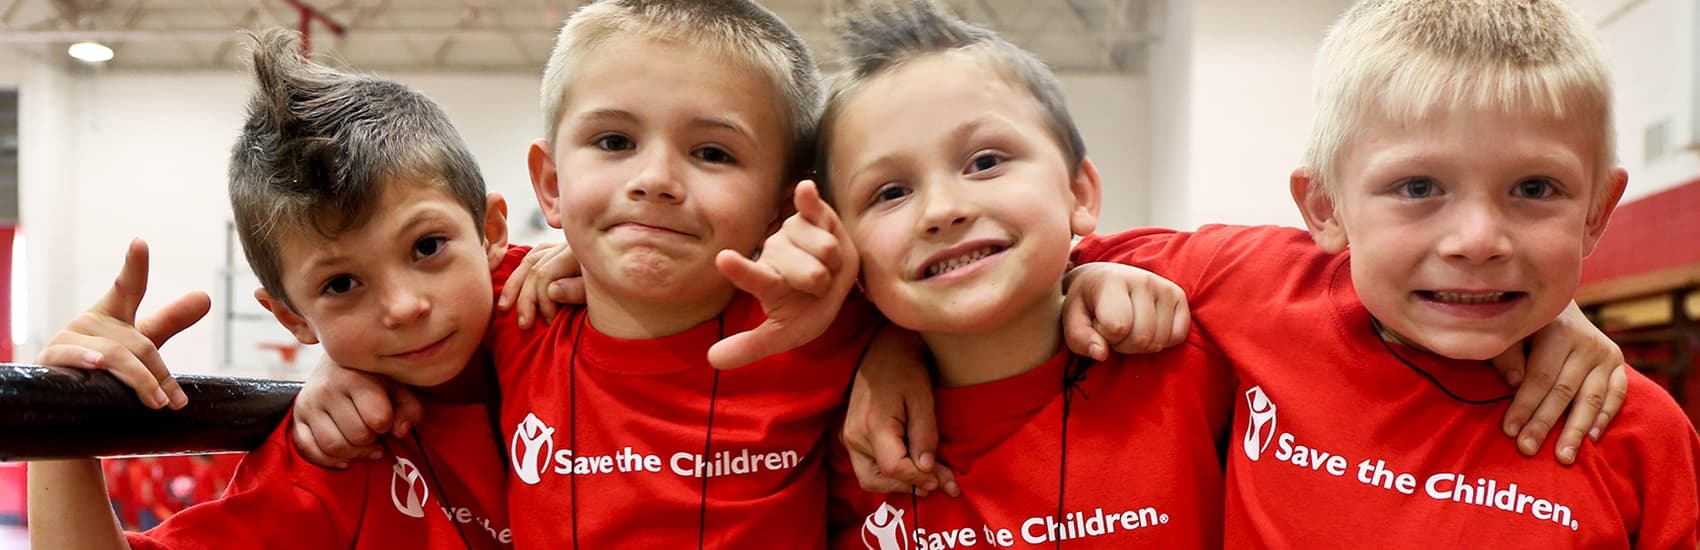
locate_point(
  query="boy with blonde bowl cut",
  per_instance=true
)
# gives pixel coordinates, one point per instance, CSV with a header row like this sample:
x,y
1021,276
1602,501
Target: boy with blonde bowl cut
x,y
1460,169
366,220
962,180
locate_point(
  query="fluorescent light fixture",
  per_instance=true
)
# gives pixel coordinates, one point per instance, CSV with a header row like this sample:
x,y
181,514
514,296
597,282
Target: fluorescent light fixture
x,y
92,52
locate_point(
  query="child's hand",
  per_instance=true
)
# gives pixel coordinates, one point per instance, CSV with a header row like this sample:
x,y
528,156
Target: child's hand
x,y
1132,309
1571,364
341,412
548,276
108,336
889,428
803,273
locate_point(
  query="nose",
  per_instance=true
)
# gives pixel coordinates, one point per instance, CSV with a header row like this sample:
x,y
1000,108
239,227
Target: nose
x,y
658,180
1478,235
404,304
947,208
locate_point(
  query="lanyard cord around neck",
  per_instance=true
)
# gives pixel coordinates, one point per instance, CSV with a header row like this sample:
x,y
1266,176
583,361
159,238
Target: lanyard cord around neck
x,y
1073,374
1378,330
707,438
431,477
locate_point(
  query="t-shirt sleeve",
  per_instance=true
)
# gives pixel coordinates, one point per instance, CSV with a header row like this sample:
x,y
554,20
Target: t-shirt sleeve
x,y
1653,444
503,322
276,498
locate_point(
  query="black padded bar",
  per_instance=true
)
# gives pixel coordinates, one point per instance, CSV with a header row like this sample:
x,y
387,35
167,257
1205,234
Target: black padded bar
x,y
52,412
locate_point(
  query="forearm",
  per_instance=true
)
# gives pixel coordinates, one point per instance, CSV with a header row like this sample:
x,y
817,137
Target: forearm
x,y
69,507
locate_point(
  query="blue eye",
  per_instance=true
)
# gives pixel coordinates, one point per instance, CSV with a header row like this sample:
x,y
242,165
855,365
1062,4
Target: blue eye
x,y
613,142
1417,188
1534,188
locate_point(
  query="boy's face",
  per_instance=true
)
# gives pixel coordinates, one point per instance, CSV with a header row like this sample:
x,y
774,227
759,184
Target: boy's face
x,y
1468,229
665,155
958,198
407,295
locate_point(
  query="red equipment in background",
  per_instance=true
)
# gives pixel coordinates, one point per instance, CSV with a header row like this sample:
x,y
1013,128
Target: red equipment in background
x,y
1642,286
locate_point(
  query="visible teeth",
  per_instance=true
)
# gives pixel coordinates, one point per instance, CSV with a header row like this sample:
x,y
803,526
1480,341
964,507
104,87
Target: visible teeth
x,y
953,264
1462,298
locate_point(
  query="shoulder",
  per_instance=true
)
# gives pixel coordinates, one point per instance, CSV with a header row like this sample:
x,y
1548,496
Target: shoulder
x,y
510,261
1650,417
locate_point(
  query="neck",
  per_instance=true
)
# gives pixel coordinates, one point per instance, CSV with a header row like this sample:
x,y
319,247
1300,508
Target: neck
x,y
1020,345
637,318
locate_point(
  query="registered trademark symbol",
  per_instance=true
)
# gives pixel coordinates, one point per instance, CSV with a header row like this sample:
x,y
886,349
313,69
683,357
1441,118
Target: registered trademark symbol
x,y
1163,519
1575,526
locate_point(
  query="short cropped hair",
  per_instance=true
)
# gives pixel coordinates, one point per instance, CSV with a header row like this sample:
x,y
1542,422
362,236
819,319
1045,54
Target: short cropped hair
x,y
1406,59
876,37
319,144
740,30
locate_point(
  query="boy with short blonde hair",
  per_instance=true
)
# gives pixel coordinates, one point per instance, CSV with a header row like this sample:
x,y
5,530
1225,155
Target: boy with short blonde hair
x,y
1461,170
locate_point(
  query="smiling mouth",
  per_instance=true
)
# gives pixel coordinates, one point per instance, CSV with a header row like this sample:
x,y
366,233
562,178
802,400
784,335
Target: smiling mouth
x,y
952,264
1469,298
423,351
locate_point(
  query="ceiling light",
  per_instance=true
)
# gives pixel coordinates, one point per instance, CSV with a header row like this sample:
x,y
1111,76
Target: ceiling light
x,y
92,52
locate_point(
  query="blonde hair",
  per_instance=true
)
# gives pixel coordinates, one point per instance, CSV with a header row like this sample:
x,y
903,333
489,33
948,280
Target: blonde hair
x,y
1406,59
737,29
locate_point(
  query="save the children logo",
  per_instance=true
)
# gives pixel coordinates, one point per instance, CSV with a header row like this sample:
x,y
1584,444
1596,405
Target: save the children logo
x,y
884,529
1260,429
407,489
532,447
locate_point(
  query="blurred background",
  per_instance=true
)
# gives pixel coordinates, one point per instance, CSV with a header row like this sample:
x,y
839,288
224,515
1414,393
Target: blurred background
x,y
116,117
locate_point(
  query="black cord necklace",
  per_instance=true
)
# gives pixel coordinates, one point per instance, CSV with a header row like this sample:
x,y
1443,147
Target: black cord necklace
x,y
1377,329
707,439
1073,374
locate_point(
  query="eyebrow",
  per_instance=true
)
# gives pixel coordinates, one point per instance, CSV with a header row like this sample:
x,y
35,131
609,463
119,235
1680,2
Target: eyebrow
x,y
612,115
724,123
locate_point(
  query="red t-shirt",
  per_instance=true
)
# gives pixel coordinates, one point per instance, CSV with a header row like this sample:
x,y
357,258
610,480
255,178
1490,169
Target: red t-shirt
x,y
1343,440
439,488
1143,462
606,435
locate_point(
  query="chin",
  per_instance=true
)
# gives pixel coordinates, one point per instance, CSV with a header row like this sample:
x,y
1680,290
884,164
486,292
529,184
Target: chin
x,y
1470,347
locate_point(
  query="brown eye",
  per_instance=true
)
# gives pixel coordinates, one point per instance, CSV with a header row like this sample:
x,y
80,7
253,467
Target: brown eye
x,y
429,246
1534,188
613,142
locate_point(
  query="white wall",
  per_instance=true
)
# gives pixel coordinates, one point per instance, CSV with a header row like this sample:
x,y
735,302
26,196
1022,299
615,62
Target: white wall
x,y
1651,48
1109,110
1230,89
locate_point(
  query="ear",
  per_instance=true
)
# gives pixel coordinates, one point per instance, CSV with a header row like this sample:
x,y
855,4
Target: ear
x,y
1318,209
545,180
1088,191
1599,215
495,229
786,206
287,317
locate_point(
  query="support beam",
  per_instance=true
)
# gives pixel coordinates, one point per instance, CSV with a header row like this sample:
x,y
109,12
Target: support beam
x,y
57,413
